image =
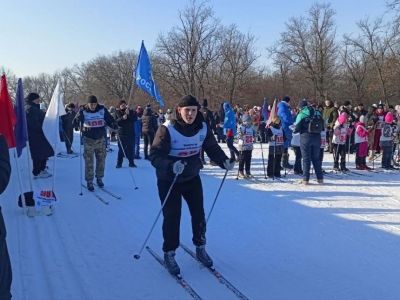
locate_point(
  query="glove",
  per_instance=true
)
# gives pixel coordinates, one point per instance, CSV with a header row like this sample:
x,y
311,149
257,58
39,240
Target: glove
x,y
228,164
178,167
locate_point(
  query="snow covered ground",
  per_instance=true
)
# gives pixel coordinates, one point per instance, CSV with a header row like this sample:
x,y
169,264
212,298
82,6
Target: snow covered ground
x,y
272,240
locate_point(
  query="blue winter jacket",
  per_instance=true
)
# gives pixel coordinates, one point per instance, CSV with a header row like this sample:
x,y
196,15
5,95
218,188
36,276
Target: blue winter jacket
x,y
285,114
230,119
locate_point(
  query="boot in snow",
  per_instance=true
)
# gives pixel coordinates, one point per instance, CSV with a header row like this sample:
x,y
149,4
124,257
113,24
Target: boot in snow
x,y
203,257
100,182
90,186
285,161
170,263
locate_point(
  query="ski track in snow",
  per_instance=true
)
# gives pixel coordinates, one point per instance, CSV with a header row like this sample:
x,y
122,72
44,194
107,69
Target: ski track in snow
x,y
271,239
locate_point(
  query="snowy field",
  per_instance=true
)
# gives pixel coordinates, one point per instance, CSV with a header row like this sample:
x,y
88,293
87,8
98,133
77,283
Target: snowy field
x,y
272,240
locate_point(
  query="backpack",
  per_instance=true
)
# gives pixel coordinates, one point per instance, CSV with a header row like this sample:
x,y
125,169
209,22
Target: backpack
x,y
387,131
316,124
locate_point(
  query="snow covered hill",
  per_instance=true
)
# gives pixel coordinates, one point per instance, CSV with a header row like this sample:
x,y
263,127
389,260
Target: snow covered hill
x,y
272,240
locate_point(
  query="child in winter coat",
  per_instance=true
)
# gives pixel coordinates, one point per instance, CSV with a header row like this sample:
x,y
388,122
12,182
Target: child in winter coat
x,y
276,138
246,136
386,141
361,141
341,133
295,143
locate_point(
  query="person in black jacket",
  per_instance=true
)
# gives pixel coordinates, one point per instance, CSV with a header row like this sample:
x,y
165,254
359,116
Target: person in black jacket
x,y
5,265
126,133
209,119
176,152
68,127
149,128
92,120
39,146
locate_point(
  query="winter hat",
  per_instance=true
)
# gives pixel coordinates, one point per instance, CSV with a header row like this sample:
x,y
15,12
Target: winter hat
x,y
286,99
380,105
303,103
374,105
188,100
246,118
389,118
346,103
32,97
362,119
205,103
92,99
121,102
342,118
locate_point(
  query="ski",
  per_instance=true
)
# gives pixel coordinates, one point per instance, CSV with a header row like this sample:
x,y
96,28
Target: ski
x,y
109,192
101,199
357,173
217,275
179,279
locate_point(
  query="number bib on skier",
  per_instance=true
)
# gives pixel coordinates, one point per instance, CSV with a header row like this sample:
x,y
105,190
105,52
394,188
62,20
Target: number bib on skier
x,y
185,146
278,134
44,198
94,119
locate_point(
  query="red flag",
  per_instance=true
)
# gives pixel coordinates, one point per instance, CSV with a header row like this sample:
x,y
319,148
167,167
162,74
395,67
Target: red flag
x,y
7,114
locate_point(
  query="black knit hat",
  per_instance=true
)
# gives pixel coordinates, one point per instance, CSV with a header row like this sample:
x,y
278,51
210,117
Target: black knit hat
x,y
286,99
346,103
303,103
92,99
188,100
205,103
32,97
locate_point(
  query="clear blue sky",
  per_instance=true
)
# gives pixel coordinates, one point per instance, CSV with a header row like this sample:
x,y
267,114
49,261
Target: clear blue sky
x,y
48,35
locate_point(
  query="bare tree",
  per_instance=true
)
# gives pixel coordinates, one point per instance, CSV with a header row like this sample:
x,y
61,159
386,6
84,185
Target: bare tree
x,y
375,42
355,62
189,49
309,43
237,58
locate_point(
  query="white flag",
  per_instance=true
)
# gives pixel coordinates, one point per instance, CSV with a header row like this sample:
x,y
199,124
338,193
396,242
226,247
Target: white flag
x,y
51,124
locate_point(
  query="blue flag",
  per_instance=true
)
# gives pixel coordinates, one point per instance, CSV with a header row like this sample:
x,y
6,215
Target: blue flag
x,y
144,76
20,130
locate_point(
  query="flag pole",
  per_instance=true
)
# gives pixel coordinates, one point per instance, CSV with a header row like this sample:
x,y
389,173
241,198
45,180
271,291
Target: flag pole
x,y
29,157
23,200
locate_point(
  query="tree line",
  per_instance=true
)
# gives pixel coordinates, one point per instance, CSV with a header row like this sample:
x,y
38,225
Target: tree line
x,y
203,57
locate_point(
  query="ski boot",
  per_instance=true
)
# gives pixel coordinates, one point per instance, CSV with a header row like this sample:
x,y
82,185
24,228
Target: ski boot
x,y
90,186
203,257
100,182
171,264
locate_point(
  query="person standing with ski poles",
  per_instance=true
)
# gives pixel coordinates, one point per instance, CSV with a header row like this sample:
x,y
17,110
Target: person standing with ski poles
x,y
92,120
175,154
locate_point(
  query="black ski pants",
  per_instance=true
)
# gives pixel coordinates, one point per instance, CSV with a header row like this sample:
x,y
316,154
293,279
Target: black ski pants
x,y
245,161
39,165
125,144
192,191
147,141
5,265
274,165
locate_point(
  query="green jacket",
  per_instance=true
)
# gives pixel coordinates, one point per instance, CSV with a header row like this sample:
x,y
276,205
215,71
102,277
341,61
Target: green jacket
x,y
330,115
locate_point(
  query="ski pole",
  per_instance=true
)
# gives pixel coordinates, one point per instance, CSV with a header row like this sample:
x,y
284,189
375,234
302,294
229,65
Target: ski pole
x,y
137,256
237,175
216,197
130,170
80,158
274,161
262,156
